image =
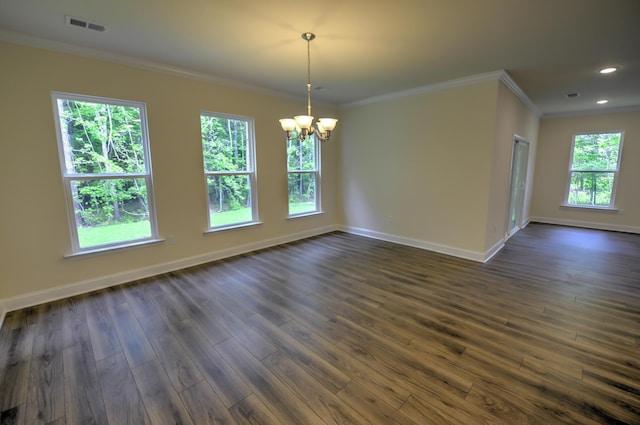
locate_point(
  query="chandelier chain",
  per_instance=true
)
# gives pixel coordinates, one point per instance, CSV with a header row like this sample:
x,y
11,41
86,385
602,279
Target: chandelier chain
x,y
308,75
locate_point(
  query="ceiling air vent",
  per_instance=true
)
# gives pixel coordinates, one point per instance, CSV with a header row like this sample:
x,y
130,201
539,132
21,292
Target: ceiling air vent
x,y
570,95
75,22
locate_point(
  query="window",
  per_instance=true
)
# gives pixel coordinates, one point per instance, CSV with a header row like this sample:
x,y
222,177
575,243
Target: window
x,y
106,170
303,166
593,173
229,169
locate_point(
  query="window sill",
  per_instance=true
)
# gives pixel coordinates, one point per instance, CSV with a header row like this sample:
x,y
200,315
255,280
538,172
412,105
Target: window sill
x,y
590,207
107,249
231,227
309,214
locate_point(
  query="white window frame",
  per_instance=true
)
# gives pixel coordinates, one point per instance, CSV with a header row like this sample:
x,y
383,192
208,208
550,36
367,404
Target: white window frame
x,y
68,178
615,172
318,179
250,172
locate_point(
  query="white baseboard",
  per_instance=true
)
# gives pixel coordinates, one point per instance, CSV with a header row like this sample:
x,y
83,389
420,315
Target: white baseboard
x,y
60,292
481,257
587,224
488,255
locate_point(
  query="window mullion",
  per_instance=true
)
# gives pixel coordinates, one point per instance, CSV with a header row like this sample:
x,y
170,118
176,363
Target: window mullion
x,y
105,176
579,170
227,173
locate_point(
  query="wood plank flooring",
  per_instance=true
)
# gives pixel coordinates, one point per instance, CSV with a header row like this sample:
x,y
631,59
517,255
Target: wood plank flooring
x,y
341,329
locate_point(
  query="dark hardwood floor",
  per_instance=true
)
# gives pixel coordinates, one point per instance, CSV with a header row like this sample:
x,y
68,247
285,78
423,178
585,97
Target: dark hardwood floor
x,y
341,329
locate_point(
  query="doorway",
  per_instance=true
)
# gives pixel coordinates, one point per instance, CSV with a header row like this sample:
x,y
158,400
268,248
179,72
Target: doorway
x,y
518,184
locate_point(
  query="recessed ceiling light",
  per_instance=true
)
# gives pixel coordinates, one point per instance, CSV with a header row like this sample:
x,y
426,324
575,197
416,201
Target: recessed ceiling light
x,y
602,101
608,70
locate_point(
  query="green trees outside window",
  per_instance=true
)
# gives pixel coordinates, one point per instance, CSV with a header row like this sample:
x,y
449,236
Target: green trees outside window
x,y
105,164
595,161
303,174
228,152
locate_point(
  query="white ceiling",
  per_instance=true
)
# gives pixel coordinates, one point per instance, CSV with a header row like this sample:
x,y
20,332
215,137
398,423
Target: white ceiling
x,y
364,48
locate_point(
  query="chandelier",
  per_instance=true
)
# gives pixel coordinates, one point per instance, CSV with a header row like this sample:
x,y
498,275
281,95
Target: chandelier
x,y
303,124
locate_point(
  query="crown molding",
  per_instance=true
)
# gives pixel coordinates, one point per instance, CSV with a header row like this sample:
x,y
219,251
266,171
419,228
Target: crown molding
x,y
615,110
501,75
41,43
506,79
464,81
101,55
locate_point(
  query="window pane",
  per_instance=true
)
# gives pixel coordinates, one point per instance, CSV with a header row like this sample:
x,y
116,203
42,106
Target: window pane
x,y
229,200
227,150
101,138
301,154
596,151
110,210
591,188
302,193
97,139
224,143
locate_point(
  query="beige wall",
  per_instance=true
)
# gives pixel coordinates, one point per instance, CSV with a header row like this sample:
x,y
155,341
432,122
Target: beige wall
x,y
513,118
34,233
430,169
433,169
418,168
552,165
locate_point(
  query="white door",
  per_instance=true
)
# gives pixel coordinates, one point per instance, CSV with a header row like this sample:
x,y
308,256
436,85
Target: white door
x,y
518,185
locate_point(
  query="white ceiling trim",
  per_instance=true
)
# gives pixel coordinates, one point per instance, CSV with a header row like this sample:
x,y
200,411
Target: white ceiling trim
x,y
40,43
508,81
31,41
501,75
464,81
620,109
